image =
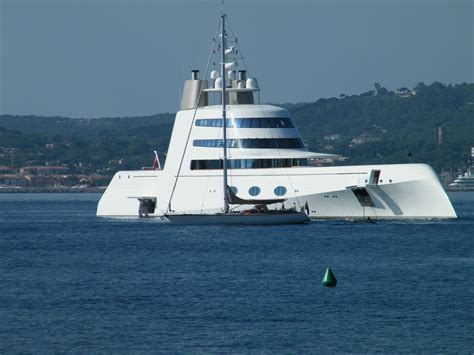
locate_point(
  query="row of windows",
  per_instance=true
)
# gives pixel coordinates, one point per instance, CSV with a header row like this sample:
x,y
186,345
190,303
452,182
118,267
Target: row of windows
x,y
217,164
262,122
255,190
251,143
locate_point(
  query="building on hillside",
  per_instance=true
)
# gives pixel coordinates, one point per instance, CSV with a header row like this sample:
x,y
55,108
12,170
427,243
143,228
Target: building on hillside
x,y
44,170
405,93
363,138
326,161
11,180
332,137
6,170
43,181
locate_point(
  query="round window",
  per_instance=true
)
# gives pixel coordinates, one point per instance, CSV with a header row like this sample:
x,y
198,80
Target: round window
x,y
254,190
234,190
280,190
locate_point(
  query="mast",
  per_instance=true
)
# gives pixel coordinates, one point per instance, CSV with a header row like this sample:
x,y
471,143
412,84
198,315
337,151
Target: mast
x,y
224,120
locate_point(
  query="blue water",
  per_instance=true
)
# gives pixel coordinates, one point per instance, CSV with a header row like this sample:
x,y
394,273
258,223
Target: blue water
x,y
70,281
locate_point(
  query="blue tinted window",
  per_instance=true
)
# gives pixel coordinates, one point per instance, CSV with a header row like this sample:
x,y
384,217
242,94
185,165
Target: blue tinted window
x,y
280,190
255,123
238,123
258,122
254,191
234,190
248,163
246,123
264,143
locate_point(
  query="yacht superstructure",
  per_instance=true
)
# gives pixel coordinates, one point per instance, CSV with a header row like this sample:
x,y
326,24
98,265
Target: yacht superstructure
x,y
264,158
465,182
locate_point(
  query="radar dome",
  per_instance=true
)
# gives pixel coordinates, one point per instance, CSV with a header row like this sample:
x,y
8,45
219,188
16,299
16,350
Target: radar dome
x,y
214,74
218,83
251,83
231,74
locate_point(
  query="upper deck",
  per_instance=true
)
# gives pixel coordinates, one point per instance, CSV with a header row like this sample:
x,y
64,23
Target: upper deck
x,y
255,135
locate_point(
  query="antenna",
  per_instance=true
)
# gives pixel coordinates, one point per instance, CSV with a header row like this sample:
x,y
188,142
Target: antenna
x,y
222,7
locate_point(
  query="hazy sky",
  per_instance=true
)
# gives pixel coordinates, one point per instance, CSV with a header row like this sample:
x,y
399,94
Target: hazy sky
x,y
85,58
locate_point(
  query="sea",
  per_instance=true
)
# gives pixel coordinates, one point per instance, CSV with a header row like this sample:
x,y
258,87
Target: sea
x,y
74,282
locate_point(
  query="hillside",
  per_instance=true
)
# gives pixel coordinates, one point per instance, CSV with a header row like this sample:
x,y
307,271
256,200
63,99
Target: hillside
x,y
85,145
384,127
378,126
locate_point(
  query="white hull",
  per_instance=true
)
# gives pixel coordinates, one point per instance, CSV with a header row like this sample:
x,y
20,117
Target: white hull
x,y
413,193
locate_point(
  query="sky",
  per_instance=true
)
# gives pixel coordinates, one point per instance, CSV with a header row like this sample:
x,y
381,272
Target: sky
x,y
104,58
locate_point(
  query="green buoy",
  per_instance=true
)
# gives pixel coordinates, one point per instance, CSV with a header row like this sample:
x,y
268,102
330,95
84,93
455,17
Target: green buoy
x,y
329,279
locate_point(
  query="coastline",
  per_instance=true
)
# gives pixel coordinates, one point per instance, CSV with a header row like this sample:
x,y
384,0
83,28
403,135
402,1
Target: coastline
x,y
99,189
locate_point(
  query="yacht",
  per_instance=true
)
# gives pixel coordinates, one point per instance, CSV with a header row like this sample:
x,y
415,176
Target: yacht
x,y
465,182
228,150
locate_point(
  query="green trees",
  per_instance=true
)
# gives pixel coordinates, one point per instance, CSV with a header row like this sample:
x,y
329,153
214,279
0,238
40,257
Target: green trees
x,y
393,125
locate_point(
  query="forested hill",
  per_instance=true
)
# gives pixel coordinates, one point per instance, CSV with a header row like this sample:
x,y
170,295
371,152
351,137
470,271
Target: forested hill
x,y
382,126
378,126
99,145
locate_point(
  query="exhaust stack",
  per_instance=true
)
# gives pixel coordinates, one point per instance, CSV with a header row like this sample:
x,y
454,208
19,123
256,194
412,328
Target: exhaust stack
x,y
191,97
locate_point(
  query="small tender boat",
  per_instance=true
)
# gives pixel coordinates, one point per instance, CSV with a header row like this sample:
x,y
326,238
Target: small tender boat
x,y
276,217
259,214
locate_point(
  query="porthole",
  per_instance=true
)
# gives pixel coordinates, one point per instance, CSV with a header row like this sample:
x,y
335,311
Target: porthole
x,y
280,190
234,190
254,191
